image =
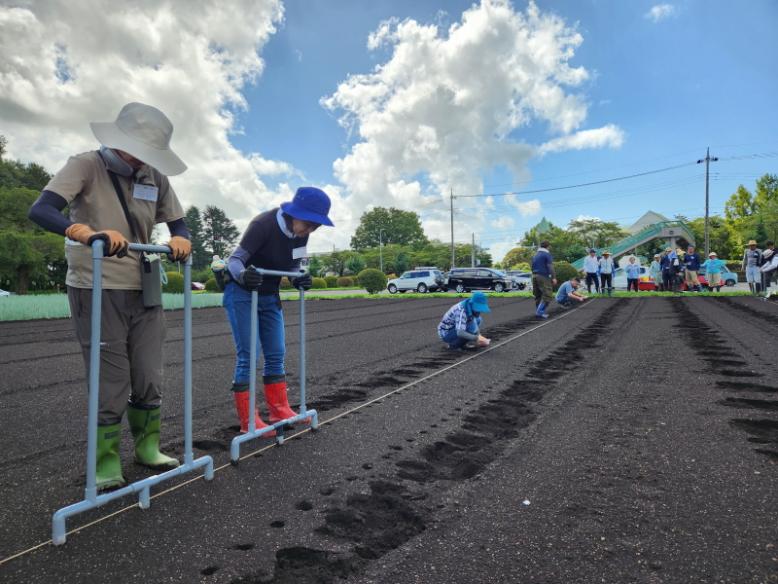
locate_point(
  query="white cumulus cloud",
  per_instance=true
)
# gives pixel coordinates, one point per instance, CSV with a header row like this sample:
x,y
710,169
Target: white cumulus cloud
x,y
660,12
447,105
609,136
64,64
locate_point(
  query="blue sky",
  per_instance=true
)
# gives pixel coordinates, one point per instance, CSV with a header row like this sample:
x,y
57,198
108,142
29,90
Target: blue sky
x,y
396,102
699,77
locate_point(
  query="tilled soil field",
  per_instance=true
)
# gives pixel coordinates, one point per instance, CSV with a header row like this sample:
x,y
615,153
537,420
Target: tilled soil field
x,y
627,440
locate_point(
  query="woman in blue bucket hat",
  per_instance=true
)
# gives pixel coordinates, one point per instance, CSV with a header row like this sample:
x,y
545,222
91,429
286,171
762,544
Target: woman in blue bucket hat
x,y
274,240
461,324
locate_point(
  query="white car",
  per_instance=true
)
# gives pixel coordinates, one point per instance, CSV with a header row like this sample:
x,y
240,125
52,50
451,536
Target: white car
x,y
4,293
417,280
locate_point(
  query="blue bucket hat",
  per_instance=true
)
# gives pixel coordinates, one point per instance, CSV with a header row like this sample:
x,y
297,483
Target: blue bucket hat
x,y
309,204
478,302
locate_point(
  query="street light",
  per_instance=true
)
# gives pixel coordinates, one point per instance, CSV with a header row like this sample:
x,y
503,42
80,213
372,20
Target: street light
x,y
380,250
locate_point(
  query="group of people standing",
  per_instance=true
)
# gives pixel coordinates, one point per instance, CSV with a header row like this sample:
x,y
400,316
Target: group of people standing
x,y
599,272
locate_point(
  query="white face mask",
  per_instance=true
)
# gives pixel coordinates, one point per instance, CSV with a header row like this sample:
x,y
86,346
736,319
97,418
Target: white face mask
x,y
115,163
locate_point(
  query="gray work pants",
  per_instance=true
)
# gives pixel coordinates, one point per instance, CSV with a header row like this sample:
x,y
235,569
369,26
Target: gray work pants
x,y
131,339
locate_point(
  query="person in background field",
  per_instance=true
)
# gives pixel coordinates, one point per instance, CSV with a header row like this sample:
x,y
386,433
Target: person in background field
x,y
713,267
655,272
274,240
590,268
543,279
668,277
752,259
678,269
131,167
692,263
633,274
769,268
607,267
568,293
460,326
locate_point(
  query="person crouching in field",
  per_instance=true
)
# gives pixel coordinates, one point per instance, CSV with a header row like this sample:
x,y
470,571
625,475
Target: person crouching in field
x,y
460,326
274,240
568,293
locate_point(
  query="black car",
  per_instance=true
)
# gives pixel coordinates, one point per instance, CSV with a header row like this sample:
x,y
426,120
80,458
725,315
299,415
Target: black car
x,y
466,279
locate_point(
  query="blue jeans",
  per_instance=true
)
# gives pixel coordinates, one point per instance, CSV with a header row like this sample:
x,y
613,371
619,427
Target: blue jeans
x,y
455,342
237,303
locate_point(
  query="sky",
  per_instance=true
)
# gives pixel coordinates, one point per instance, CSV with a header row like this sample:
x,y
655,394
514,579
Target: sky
x,y
404,103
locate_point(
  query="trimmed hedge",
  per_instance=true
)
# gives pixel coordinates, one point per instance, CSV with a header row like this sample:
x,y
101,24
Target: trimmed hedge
x,y
175,283
211,285
319,283
332,281
372,280
285,284
344,282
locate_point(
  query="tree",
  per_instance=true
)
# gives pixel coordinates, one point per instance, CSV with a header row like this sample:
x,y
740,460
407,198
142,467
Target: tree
x,y
740,205
15,174
29,256
388,226
766,204
335,261
194,223
723,237
219,232
595,232
315,266
355,264
565,245
517,256
755,216
3,145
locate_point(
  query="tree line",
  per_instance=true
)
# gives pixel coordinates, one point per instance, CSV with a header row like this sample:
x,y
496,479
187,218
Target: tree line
x,y
747,215
32,259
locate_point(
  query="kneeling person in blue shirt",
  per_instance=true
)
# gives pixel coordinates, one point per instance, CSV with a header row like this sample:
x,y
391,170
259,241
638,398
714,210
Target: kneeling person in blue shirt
x,y
461,323
568,293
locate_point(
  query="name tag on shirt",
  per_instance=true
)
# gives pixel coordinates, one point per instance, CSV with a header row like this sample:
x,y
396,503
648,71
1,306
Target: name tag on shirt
x,y
299,253
145,192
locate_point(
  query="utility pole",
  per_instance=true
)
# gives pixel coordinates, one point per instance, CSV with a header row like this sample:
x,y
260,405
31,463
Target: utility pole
x,y
707,160
453,257
472,253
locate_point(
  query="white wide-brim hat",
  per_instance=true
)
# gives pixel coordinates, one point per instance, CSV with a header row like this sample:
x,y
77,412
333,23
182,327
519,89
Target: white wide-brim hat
x,y
143,132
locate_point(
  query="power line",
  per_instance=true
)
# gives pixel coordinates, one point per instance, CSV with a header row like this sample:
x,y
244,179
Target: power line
x,y
579,185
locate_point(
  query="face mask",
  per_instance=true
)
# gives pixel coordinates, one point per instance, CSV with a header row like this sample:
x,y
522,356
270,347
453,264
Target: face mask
x,y
115,163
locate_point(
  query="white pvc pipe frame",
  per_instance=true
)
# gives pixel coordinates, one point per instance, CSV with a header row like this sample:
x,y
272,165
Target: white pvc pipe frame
x,y
305,413
142,487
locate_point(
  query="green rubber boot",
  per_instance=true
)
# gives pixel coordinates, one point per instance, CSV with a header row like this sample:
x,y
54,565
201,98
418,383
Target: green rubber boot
x,y
145,430
109,466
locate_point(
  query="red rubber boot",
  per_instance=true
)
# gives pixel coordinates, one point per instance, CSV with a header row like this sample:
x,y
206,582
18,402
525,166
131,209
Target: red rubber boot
x,y
242,407
277,404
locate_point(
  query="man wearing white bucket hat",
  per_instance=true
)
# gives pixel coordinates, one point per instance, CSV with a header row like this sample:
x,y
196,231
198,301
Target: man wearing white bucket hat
x,y
119,193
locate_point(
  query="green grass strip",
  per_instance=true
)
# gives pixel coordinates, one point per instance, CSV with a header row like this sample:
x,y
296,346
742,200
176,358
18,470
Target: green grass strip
x,y
57,306
34,307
